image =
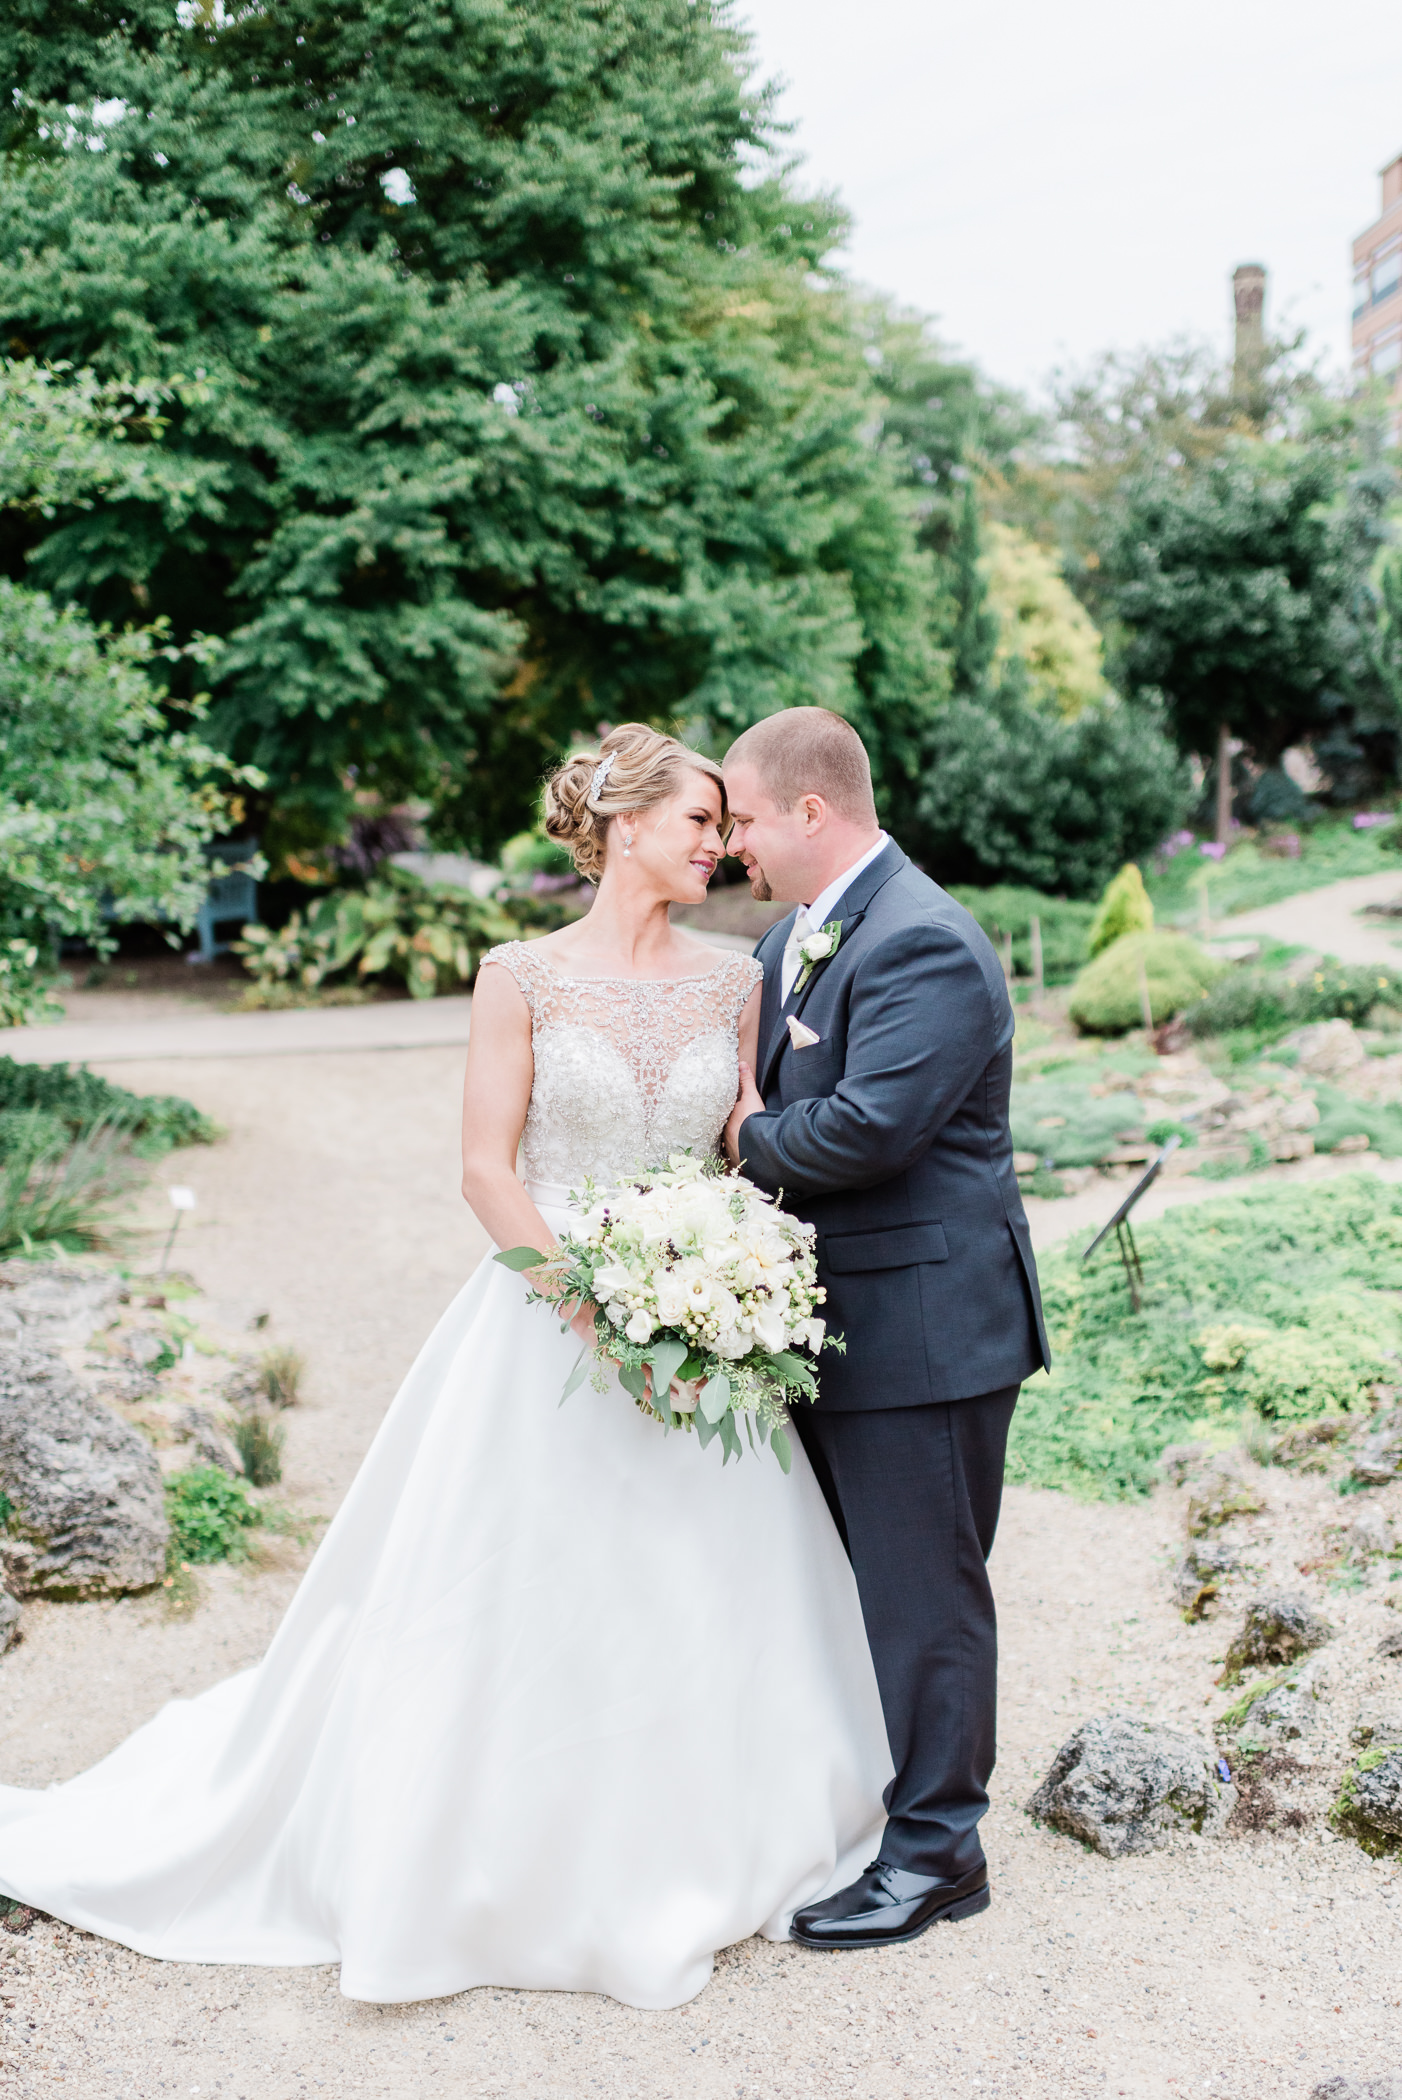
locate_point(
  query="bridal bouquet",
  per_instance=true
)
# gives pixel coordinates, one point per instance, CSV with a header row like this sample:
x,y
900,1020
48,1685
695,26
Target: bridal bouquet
x,y
698,1277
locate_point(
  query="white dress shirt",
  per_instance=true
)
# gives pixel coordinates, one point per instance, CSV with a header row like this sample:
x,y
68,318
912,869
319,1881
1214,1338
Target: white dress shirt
x,y
812,916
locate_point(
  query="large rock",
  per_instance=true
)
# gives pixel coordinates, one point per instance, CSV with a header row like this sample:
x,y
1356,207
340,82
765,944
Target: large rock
x,y
1221,1494
1378,1458
1284,1716
87,1512
1198,1578
47,1306
1327,1048
1126,1785
9,1621
1278,1626
1369,1806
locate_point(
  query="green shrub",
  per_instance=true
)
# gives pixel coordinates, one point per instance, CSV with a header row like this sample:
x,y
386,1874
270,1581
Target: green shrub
x,y
258,1439
1106,998
108,805
1016,794
1124,908
429,935
209,1516
81,1100
1269,1003
1008,909
1279,1307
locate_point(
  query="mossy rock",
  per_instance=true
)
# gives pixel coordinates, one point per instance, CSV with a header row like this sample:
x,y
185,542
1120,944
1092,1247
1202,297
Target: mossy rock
x,y
1124,909
1369,1804
1105,999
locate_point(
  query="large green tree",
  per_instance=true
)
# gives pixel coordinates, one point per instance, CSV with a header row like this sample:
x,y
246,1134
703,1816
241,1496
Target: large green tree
x,y
1240,584
521,398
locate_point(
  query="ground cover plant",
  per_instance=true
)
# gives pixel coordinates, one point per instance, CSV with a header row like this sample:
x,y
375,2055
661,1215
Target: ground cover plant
x,y
1073,1117
210,1515
1007,908
1251,876
1280,1307
80,1100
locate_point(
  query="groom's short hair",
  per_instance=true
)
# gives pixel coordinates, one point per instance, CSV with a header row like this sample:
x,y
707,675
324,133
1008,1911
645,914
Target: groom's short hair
x,y
809,751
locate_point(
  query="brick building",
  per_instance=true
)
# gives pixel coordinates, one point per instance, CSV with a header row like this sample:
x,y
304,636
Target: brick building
x,y
1377,294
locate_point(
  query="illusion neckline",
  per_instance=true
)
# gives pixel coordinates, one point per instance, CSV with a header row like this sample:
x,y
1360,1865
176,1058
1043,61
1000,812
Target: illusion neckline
x,y
696,976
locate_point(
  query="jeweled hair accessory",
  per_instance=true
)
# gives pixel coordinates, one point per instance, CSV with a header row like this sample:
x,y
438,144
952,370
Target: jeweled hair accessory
x,y
601,774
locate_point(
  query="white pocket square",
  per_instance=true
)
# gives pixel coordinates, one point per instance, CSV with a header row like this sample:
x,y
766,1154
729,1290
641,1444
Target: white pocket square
x,y
802,1038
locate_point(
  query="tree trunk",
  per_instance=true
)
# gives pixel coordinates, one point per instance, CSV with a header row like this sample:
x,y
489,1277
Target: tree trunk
x,y
1224,785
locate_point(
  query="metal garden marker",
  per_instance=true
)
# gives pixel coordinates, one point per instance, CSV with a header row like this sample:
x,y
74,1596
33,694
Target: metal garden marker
x,y
1120,1226
181,1200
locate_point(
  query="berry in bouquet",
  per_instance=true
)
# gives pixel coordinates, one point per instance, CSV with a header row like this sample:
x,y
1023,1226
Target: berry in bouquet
x,y
700,1277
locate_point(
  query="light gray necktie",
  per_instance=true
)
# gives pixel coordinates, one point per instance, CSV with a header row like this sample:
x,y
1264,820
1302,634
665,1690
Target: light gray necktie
x,y
792,961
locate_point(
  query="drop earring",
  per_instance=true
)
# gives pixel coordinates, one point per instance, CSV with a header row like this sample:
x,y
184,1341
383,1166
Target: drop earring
x,y
627,844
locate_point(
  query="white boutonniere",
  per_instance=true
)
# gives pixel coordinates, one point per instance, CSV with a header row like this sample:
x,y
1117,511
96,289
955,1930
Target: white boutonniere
x,y
815,948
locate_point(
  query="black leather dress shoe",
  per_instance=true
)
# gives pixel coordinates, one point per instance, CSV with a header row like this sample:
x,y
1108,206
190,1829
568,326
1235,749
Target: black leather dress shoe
x,y
887,1905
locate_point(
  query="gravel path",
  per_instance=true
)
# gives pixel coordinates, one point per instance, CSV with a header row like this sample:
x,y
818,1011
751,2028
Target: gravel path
x,y
1247,1967
1328,920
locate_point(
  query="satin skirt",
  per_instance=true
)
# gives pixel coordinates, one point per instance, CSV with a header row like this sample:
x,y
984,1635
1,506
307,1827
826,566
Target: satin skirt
x,y
559,1704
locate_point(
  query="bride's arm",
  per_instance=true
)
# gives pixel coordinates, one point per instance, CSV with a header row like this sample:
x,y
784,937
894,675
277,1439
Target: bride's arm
x,y
747,1097
496,1095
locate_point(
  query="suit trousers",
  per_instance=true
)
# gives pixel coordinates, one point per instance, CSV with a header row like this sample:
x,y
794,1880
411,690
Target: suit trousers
x,y
915,1494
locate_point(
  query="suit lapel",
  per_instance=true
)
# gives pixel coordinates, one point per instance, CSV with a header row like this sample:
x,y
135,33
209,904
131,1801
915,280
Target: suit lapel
x,y
851,909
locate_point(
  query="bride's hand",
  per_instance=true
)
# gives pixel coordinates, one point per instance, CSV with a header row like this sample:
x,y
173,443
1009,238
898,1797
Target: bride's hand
x,y
748,1102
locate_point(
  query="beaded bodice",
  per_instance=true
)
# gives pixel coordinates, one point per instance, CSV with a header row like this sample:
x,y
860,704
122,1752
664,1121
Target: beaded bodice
x,y
627,1069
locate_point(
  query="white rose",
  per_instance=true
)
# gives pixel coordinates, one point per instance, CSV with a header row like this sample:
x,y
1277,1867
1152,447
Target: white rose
x,y
731,1343
639,1328
669,1289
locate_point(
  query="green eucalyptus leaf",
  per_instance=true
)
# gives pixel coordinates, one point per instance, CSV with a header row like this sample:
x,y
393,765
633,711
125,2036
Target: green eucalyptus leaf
x,y
715,1398
519,1258
577,1376
783,1450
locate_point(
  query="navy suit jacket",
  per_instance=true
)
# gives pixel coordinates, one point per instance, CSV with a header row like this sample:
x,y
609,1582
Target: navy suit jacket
x,y
890,1135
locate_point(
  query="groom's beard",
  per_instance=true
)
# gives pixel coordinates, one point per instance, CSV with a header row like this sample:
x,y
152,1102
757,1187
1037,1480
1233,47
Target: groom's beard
x,y
759,888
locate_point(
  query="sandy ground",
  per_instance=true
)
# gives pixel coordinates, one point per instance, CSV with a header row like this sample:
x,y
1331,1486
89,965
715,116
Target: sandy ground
x,y
1251,1966
1329,920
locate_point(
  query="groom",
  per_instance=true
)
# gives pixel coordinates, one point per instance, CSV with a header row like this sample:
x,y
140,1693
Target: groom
x,y
880,1109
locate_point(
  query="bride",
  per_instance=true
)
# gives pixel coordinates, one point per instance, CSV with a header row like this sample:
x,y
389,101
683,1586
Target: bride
x,y
559,1702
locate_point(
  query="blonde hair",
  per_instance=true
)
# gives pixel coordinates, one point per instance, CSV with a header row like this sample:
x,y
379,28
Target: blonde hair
x,y
643,768
809,751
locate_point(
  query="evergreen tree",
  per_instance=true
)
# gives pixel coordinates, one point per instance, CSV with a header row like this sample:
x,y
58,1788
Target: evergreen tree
x,y
522,401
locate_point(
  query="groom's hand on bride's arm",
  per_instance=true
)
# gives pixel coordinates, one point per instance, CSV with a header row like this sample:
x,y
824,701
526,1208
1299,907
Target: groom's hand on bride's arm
x,y
748,1102
921,1028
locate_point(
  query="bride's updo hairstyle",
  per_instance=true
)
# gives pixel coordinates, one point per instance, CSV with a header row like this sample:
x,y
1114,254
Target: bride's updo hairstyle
x,y
644,768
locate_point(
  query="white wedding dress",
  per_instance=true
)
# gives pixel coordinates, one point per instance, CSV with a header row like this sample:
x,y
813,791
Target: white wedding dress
x,y
559,1703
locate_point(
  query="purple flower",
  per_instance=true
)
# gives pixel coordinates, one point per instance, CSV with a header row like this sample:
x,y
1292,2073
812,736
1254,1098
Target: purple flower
x,y
1211,849
1369,819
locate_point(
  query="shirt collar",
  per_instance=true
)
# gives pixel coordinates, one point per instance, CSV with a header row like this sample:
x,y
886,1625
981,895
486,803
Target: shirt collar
x,y
826,901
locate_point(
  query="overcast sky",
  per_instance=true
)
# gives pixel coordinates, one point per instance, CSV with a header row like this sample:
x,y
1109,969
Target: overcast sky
x,y
1051,181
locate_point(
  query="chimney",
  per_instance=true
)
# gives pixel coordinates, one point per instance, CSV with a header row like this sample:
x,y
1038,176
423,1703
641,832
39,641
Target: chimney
x,y
1249,299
